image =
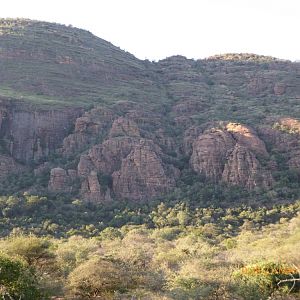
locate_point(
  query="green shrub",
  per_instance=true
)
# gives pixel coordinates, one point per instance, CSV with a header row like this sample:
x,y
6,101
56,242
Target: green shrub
x,y
32,249
17,280
259,281
97,277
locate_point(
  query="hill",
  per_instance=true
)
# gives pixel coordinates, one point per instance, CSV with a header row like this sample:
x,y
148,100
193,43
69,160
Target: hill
x,y
122,178
81,118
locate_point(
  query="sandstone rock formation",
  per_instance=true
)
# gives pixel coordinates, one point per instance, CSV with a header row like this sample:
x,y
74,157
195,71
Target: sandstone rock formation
x,y
88,129
290,125
9,166
257,85
189,137
92,191
106,157
246,136
133,122
59,180
229,155
124,127
32,135
284,141
243,169
209,153
142,174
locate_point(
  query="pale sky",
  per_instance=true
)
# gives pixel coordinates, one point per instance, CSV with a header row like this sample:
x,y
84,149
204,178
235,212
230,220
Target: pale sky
x,y
194,28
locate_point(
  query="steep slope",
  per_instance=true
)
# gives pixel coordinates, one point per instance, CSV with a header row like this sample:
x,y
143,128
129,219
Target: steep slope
x,y
92,121
47,63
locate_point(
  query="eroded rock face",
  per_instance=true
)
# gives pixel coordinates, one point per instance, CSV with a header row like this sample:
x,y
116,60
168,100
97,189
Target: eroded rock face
x,y
59,180
284,140
88,129
91,189
134,164
106,157
124,127
230,155
247,137
142,174
277,139
32,135
209,153
9,166
243,169
163,140
42,169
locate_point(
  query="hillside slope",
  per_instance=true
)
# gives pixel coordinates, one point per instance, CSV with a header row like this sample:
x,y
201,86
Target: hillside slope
x,y
83,118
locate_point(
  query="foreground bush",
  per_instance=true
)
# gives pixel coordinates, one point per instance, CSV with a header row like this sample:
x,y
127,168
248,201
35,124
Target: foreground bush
x,y
259,281
97,277
17,280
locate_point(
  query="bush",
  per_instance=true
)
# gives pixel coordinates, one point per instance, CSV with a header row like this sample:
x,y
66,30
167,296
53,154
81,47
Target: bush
x,y
31,248
73,252
259,281
17,280
97,277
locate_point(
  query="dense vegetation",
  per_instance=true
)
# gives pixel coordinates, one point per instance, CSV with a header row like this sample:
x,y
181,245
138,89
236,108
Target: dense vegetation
x,y
163,262
149,251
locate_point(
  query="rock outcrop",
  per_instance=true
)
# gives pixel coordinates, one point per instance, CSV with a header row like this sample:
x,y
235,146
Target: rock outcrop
x,y
142,174
243,169
230,155
290,125
283,139
92,191
257,85
124,127
279,88
247,137
106,157
189,137
209,153
134,163
31,135
144,119
88,129
9,166
59,181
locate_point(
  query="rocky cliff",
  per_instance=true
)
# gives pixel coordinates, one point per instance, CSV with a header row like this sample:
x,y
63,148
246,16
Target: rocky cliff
x,y
92,121
31,135
230,155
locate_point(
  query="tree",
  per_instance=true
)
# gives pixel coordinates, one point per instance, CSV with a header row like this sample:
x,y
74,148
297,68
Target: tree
x,y
97,277
17,280
31,248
